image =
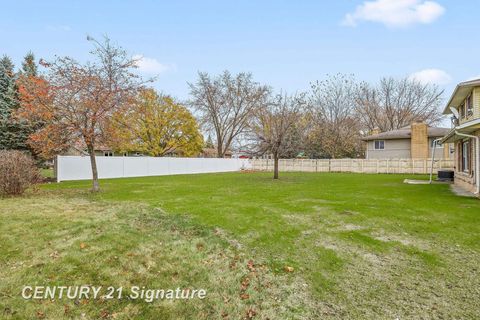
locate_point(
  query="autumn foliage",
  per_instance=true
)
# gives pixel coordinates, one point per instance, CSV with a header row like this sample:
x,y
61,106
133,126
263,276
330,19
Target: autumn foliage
x,y
77,100
36,98
156,125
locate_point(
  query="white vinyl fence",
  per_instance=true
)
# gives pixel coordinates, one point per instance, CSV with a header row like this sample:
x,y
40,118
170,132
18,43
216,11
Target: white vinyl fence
x,y
415,166
78,167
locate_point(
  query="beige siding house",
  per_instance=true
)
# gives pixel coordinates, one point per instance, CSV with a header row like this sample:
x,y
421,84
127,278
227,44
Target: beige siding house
x,y
412,142
464,106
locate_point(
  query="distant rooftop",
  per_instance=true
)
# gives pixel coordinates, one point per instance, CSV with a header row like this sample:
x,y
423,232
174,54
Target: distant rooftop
x,y
406,133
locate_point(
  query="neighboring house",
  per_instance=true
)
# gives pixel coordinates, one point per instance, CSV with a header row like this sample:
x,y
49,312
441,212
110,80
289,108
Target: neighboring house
x,y
100,150
465,107
105,151
212,153
411,142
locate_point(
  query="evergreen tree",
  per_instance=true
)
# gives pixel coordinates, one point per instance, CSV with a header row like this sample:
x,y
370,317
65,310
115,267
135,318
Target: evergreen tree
x,y
29,67
13,133
7,88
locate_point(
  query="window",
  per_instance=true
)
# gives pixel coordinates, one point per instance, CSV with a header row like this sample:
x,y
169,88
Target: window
x,y
379,144
469,106
108,154
466,156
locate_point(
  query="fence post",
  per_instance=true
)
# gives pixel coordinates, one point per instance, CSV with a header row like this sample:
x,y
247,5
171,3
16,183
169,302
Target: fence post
x,y
55,168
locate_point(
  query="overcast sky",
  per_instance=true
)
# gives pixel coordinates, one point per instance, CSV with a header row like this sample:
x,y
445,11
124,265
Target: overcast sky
x,y
286,44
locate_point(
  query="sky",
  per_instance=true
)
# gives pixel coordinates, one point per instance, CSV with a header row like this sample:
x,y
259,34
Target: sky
x,y
285,44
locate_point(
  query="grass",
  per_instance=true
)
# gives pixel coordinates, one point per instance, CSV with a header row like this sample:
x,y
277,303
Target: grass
x,y
47,173
361,246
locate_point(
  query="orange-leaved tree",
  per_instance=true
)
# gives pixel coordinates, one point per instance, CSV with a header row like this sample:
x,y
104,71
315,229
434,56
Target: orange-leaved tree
x,y
75,101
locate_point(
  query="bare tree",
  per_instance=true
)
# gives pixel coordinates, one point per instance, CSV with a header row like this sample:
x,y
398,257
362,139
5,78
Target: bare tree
x,y
226,103
334,131
396,103
76,100
272,127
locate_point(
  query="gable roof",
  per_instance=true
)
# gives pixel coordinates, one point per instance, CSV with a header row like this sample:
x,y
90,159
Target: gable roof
x,y
462,90
406,133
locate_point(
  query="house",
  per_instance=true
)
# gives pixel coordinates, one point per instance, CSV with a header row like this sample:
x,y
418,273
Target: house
x,y
79,149
464,106
411,142
212,153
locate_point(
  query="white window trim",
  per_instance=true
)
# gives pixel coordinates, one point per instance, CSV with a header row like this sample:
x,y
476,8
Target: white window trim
x,y
465,157
375,147
469,111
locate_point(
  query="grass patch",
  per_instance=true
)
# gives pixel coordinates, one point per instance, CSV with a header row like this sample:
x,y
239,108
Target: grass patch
x,y
361,246
59,241
47,173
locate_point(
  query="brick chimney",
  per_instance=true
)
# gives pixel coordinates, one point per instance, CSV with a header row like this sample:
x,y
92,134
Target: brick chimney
x,y
419,141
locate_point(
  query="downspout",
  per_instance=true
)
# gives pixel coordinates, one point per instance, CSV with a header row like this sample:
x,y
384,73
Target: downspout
x,y
477,158
434,148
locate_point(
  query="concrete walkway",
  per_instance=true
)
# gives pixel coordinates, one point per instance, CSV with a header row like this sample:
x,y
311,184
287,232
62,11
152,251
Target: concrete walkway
x,y
461,192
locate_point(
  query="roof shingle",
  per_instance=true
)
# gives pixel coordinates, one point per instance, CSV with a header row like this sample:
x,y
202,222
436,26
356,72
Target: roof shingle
x,y
406,133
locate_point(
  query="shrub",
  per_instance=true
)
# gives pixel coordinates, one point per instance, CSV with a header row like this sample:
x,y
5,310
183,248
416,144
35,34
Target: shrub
x,y
17,172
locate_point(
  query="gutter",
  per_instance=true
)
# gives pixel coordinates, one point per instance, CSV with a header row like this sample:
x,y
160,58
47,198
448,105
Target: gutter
x,y
477,158
469,124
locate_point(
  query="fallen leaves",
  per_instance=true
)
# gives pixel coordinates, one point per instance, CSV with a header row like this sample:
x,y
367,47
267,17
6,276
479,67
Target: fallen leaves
x,y
289,269
233,263
104,314
251,313
54,255
40,314
250,266
83,245
245,283
66,309
244,296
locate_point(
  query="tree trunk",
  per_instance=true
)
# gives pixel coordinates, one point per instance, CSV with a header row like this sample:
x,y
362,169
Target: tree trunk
x,y
275,166
93,163
220,150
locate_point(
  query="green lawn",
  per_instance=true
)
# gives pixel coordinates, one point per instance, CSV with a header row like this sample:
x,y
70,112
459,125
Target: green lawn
x,y
361,246
47,173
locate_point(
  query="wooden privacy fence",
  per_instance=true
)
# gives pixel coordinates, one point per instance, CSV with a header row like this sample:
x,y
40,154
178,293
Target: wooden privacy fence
x,y
414,166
